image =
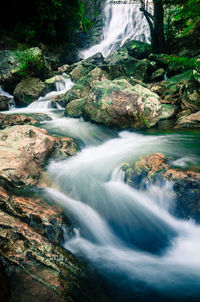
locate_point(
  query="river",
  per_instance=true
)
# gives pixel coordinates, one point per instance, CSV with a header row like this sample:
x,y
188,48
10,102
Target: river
x,y
130,236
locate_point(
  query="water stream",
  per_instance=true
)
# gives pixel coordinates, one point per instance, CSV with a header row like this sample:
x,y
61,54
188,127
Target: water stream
x,y
130,236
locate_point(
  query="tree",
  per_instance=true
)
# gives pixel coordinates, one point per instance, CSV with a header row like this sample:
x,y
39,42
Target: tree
x,y
156,24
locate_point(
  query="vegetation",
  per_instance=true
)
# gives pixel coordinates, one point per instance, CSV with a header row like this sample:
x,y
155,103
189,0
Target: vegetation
x,y
49,21
30,63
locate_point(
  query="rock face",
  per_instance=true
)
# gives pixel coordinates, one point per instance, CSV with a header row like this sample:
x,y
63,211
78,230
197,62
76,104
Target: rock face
x,y
192,120
156,167
29,90
15,119
39,270
24,150
119,104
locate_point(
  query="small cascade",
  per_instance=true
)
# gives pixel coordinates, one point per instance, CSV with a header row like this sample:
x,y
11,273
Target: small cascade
x,y
122,22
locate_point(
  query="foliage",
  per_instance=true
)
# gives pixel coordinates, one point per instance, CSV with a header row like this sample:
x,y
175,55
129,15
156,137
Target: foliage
x,y
188,63
30,62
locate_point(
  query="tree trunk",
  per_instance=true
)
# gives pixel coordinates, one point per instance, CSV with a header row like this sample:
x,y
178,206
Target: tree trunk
x,y
158,39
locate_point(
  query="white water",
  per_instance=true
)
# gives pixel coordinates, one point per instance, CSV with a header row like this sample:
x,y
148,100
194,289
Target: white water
x,y
128,234
122,22
44,104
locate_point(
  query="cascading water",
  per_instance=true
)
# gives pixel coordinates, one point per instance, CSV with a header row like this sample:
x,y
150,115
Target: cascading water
x,y
44,104
122,22
130,236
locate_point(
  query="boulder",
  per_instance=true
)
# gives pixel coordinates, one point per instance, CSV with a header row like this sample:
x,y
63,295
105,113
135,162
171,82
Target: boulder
x,y
24,150
137,49
80,69
12,64
188,121
15,119
29,90
82,87
121,64
119,104
156,168
168,111
191,96
4,103
76,108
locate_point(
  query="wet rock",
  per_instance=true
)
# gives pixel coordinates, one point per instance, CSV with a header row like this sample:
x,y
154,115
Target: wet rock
x,y
44,218
119,104
121,64
156,168
157,75
183,113
82,87
168,111
4,103
38,269
29,90
11,66
137,49
24,150
15,119
191,96
76,108
187,121
81,69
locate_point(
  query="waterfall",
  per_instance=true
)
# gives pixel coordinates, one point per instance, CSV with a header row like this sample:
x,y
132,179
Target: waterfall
x,y
122,22
44,104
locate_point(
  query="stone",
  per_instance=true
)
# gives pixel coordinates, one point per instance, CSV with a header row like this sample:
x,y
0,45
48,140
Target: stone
x,y
24,150
157,75
82,87
7,120
188,121
168,111
81,69
121,64
76,108
4,103
29,90
137,49
41,269
191,96
10,67
156,167
119,104
44,218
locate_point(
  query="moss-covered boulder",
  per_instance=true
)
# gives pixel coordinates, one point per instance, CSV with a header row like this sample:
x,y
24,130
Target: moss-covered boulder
x,y
29,90
120,64
119,104
137,49
76,108
82,87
